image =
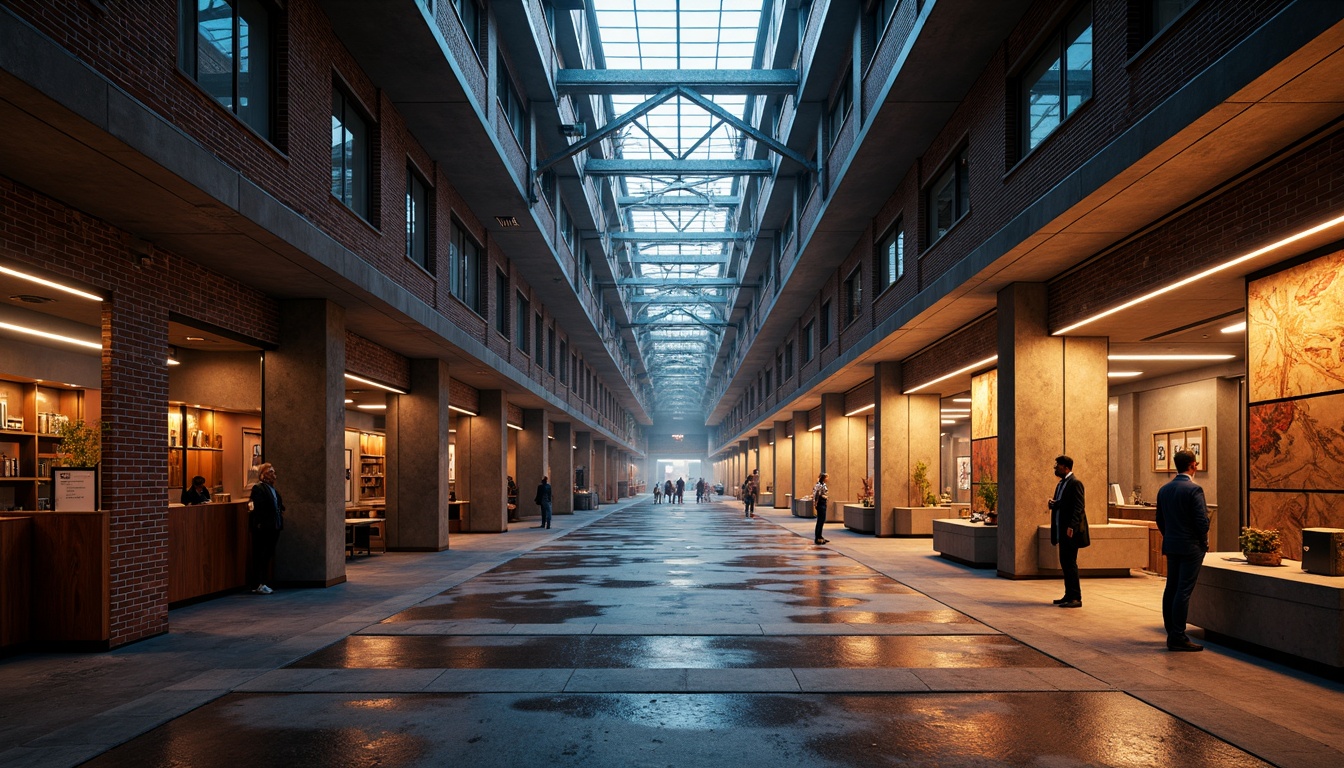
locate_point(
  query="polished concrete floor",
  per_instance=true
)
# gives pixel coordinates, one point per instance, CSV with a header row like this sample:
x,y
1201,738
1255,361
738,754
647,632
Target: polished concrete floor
x,y
669,635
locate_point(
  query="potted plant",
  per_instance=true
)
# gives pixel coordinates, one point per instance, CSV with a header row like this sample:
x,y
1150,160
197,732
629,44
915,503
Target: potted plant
x,y
866,497
923,488
1260,545
81,444
989,494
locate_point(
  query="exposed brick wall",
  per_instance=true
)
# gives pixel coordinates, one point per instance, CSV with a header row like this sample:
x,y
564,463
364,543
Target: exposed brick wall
x,y
976,341
372,361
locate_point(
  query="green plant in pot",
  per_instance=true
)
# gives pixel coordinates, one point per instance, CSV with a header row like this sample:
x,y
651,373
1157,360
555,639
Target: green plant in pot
x,y
989,494
81,443
922,485
1261,545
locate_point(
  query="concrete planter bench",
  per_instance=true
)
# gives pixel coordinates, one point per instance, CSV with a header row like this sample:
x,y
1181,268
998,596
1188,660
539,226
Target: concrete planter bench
x,y
917,521
765,499
1114,551
1281,609
860,519
973,544
803,508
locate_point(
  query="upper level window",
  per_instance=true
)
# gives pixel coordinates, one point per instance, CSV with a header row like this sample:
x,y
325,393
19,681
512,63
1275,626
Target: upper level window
x,y
502,303
417,220
835,118
349,153
891,256
538,336
788,361
523,308
464,270
512,104
825,322
470,13
228,47
853,296
1058,80
1163,12
564,362
807,342
949,197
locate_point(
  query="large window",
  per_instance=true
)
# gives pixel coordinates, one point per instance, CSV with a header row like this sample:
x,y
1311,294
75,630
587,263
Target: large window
x,y
512,104
788,361
1058,80
538,340
807,342
949,197
470,13
228,48
349,153
502,303
417,220
550,350
835,118
522,309
891,256
564,362
825,322
465,269
853,296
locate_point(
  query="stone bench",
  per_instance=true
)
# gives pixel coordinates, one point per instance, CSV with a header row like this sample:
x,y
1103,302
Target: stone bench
x,y
1114,551
860,519
973,544
916,521
1282,609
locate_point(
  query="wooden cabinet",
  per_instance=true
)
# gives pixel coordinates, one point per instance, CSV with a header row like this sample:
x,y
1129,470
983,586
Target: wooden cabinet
x,y
195,447
30,414
372,468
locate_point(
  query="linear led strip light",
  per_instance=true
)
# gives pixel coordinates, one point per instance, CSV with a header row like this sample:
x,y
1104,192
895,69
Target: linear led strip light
x,y
1206,273
51,336
50,284
973,366
361,380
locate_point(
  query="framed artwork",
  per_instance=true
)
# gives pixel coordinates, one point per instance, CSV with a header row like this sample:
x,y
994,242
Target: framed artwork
x,y
251,457
349,457
1169,442
963,473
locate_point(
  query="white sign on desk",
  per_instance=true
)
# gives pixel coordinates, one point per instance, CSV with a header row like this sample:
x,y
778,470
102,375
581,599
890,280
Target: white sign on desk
x,y
75,490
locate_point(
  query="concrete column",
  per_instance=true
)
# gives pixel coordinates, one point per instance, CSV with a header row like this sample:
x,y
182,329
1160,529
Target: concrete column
x,y
417,461
1228,455
905,430
806,456
1052,401
599,469
303,435
783,464
487,465
533,461
837,451
562,469
766,454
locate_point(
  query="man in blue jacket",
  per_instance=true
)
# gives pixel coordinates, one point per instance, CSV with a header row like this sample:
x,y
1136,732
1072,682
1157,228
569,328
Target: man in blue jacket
x,y
1183,520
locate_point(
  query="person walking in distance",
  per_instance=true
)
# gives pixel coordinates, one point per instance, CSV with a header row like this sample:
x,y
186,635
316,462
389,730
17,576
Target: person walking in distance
x,y
700,490
681,490
668,492
819,493
749,491
543,500
1183,519
1068,529
657,493
265,522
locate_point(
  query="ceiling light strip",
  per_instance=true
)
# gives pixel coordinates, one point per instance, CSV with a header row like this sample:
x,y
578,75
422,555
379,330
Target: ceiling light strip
x,y
462,410
1206,273
52,336
50,284
857,411
972,367
362,380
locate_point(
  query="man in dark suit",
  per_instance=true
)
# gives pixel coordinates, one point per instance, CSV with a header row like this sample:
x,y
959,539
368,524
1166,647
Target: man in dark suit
x,y
1183,520
543,500
1068,529
265,522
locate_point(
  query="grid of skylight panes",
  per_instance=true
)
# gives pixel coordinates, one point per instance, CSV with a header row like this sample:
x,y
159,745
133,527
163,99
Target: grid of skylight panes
x,y
679,34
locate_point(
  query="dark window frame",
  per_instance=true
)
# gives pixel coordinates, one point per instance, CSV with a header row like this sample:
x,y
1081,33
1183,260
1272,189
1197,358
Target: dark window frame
x,y
189,60
352,182
503,312
466,257
419,237
853,287
890,256
956,176
1056,54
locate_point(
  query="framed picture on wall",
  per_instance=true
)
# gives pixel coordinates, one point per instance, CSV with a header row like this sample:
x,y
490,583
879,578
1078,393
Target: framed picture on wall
x,y
1169,442
1194,443
251,457
963,473
1160,462
1175,444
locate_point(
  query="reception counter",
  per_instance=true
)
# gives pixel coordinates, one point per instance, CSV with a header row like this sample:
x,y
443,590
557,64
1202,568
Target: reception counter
x,y
207,549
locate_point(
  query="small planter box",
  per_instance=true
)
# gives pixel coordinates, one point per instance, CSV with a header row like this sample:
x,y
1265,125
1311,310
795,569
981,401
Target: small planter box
x,y
973,544
861,519
917,521
803,508
1114,551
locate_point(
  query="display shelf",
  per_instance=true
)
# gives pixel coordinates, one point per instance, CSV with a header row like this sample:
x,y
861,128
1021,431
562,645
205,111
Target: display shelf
x,y
195,447
30,448
372,467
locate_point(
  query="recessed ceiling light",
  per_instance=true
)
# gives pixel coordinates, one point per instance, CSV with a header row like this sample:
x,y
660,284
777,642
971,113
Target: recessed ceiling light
x,y
1124,374
1235,328
374,407
195,338
961,399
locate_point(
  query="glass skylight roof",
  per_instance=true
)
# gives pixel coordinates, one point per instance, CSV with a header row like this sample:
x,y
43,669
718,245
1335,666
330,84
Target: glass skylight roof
x,y
680,328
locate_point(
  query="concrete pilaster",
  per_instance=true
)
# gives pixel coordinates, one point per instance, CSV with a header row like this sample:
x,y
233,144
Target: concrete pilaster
x,y
417,461
783,465
599,465
906,430
303,433
487,465
562,469
837,451
766,454
533,460
1052,401
806,456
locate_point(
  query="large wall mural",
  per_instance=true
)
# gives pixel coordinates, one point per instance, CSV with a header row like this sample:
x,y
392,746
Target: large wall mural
x,y
984,434
1295,423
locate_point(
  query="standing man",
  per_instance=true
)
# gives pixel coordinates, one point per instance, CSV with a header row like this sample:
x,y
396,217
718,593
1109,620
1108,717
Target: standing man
x,y
749,491
1183,520
265,522
681,490
1068,529
543,500
820,492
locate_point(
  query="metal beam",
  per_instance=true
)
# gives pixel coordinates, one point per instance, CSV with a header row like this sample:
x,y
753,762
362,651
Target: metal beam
x,y
678,282
638,81
670,300
605,131
678,201
743,126
683,260
679,324
681,237
606,167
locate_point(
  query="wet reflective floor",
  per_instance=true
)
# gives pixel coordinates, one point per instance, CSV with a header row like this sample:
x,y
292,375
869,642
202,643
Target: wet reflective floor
x,y
677,636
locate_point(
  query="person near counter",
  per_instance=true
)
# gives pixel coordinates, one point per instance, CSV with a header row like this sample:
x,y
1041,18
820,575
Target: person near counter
x,y
197,493
265,522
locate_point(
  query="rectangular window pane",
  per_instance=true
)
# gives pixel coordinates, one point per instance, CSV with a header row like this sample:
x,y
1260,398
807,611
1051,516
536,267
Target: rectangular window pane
x,y
417,224
1078,61
825,320
941,200
215,49
502,306
523,309
1043,102
254,66
349,154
